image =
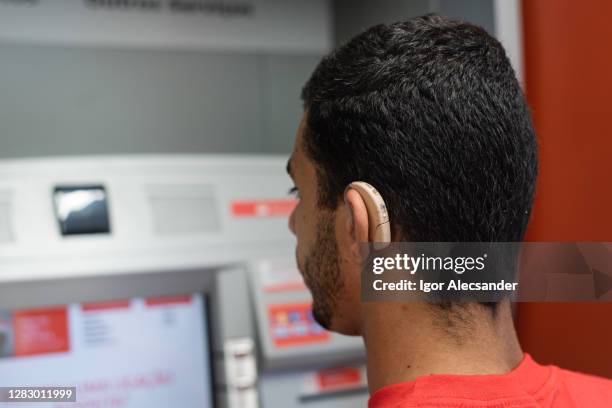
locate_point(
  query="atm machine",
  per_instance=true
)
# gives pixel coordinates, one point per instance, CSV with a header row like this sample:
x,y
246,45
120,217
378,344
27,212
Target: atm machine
x,y
162,281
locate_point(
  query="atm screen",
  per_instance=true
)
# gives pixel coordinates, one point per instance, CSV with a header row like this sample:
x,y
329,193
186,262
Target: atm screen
x,y
140,352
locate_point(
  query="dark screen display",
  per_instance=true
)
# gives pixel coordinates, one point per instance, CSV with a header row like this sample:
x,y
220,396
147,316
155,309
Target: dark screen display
x,y
82,210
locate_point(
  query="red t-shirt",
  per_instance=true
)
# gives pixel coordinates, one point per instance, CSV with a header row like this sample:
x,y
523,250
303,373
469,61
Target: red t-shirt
x,y
530,385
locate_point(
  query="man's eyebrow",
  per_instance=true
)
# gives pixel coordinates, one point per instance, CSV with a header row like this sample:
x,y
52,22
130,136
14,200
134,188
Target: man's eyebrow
x,y
289,167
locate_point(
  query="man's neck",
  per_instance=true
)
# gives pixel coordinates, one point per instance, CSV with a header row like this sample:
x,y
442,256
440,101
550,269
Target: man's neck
x,y
410,340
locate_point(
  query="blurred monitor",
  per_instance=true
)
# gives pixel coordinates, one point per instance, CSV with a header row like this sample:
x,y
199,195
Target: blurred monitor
x,y
135,352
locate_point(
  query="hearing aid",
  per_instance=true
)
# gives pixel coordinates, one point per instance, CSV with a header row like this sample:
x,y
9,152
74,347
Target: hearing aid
x,y
378,218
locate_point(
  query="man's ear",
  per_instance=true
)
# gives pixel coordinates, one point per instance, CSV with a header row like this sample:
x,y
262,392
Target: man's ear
x,y
357,224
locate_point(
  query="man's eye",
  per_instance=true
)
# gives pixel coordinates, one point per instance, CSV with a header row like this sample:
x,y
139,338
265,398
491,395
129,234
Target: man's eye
x,y
294,192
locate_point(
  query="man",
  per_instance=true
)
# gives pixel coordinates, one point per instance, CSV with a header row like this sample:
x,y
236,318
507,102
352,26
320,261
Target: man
x,y
429,112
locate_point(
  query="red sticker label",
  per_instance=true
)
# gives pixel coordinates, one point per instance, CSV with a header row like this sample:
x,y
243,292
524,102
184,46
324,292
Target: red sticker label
x,y
263,208
41,331
293,325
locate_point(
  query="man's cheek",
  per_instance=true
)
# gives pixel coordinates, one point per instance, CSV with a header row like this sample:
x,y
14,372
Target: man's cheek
x,y
303,243
300,258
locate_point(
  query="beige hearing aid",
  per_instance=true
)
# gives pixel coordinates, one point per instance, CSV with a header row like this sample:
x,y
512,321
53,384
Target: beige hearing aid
x,y
378,217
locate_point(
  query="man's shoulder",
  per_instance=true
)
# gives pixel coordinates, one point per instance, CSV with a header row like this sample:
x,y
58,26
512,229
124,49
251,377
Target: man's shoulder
x,y
589,390
531,386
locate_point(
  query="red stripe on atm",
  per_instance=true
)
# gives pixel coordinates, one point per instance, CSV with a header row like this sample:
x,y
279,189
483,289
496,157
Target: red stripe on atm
x,y
263,208
93,307
296,342
168,300
339,378
286,287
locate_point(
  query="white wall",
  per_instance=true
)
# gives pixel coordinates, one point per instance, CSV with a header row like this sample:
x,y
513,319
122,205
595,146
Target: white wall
x,y
79,78
58,100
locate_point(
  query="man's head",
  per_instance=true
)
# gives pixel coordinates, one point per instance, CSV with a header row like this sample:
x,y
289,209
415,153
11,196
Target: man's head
x,y
430,113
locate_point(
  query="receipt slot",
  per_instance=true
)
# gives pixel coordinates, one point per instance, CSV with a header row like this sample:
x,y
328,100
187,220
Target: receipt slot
x,y
162,281
241,372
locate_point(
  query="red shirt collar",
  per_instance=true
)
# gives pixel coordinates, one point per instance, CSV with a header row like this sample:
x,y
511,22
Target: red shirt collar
x,y
527,379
